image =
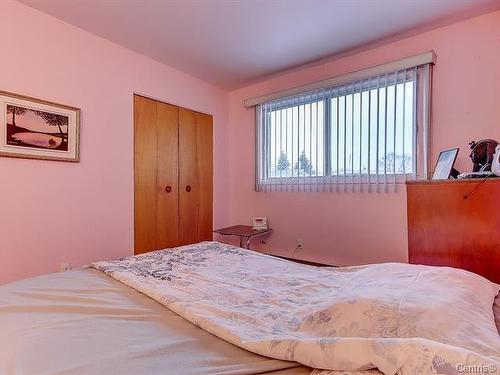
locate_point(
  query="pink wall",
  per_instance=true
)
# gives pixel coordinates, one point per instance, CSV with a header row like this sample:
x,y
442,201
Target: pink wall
x,y
53,212
356,228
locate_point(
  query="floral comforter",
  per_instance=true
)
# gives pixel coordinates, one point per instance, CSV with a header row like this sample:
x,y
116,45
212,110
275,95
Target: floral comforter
x,y
397,318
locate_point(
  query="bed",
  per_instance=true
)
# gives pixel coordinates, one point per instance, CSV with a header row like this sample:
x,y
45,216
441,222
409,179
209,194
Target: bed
x,y
96,320
85,322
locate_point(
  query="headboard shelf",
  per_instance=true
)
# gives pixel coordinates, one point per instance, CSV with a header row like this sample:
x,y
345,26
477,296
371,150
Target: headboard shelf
x,y
489,180
455,223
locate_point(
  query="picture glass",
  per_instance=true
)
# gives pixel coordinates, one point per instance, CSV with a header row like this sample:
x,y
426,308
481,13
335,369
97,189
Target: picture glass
x,y
445,164
33,128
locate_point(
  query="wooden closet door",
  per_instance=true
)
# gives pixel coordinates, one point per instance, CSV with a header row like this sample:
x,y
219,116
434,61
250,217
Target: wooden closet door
x,y
195,177
145,165
167,176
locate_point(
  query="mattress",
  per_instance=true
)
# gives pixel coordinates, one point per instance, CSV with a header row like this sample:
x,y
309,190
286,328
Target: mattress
x,y
85,322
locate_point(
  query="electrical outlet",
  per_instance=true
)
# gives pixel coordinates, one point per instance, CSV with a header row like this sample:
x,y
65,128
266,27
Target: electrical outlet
x,y
65,267
300,242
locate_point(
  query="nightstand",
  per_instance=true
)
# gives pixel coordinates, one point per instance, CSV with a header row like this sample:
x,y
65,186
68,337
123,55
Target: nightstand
x,y
244,232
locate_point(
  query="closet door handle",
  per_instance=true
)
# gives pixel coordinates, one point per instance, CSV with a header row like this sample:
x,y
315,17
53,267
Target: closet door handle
x,y
168,188
188,188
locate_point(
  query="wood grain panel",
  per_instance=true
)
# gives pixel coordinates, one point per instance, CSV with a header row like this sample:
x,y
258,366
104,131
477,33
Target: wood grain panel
x,y
204,141
195,177
145,165
167,176
444,229
188,177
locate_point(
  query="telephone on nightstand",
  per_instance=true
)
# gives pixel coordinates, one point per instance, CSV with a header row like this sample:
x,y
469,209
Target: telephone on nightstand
x,y
259,223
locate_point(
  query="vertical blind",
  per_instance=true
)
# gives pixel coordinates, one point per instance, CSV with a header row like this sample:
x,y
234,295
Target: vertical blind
x,y
366,134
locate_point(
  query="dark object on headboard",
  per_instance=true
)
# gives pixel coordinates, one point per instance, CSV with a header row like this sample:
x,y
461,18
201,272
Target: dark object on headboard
x,y
444,229
482,154
454,173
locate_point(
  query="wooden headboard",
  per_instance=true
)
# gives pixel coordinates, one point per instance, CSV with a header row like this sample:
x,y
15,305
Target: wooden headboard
x,y
455,223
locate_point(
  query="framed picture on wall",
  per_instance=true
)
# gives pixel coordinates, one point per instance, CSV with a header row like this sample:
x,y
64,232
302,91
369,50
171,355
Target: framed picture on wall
x,y
38,129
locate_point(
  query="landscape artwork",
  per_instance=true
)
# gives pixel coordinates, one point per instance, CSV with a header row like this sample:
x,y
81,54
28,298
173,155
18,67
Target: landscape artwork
x,y
35,128
38,129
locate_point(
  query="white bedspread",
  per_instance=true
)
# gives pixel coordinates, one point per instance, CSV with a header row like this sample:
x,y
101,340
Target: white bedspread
x,y
399,318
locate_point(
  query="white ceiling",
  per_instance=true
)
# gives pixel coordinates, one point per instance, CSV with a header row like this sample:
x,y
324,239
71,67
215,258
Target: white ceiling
x,y
234,42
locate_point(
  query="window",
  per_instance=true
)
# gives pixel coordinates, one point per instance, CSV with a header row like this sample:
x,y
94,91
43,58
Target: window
x,y
370,132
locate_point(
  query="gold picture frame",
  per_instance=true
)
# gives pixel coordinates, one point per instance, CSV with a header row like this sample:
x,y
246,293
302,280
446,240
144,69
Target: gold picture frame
x,y
38,129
